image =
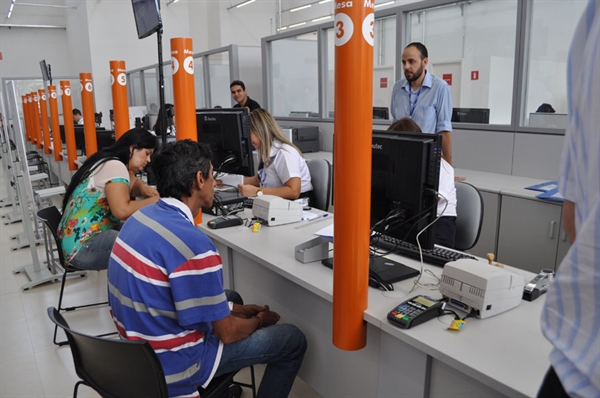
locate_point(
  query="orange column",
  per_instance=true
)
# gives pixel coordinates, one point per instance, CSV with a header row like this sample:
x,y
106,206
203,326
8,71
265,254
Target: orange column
x,y
184,98
67,105
89,118
45,124
118,82
35,118
353,124
56,140
26,118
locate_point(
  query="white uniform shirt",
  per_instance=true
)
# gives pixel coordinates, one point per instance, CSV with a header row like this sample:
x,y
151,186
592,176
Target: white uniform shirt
x,y
446,188
571,315
286,162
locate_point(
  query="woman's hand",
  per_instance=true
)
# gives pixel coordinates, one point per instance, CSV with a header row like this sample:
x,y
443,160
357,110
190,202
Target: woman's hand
x,y
147,191
247,190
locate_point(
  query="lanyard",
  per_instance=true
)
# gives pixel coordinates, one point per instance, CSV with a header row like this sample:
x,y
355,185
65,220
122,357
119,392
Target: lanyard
x,y
413,104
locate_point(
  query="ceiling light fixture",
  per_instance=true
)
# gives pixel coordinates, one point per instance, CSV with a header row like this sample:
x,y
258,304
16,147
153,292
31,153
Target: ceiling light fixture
x,y
324,1
243,3
12,4
171,2
301,8
384,4
321,18
297,24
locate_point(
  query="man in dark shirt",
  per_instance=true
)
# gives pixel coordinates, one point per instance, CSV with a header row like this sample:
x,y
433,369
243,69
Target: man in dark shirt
x,y
238,92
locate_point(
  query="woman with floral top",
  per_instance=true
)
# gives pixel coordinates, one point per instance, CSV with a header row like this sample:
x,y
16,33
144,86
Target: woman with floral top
x,y
100,195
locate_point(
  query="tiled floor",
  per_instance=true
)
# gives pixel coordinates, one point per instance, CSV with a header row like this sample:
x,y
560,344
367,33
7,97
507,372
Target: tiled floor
x,y
30,364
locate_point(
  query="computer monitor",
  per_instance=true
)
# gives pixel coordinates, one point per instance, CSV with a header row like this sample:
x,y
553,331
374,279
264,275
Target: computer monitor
x,y
105,138
80,137
147,17
471,115
227,131
381,113
405,177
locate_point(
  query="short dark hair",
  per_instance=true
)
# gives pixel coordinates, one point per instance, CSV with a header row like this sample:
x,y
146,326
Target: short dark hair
x,y
405,124
238,83
546,108
76,111
421,47
176,167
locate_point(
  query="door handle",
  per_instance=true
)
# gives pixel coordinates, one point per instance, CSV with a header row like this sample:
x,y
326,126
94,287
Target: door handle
x,y
551,230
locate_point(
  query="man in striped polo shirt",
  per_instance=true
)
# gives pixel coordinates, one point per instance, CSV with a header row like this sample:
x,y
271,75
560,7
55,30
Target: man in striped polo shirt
x,y
165,285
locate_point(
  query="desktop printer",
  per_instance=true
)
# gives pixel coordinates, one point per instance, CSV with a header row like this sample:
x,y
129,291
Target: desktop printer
x,y
274,210
306,138
486,290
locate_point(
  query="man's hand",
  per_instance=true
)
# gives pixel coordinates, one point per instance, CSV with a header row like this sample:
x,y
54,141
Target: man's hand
x,y
247,311
267,317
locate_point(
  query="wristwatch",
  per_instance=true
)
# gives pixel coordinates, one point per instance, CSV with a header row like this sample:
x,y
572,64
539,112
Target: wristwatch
x,y
259,192
230,303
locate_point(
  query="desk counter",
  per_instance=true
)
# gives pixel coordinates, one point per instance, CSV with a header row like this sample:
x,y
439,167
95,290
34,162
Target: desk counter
x,y
505,355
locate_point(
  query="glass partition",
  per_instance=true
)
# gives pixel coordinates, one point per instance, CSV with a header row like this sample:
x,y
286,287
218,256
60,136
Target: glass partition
x,y
151,91
199,82
295,76
471,45
551,31
220,78
136,91
168,80
384,64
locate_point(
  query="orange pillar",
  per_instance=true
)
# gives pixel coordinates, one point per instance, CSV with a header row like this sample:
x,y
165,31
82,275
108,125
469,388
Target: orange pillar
x,y
89,118
26,118
118,82
56,140
184,98
45,124
353,125
35,118
67,104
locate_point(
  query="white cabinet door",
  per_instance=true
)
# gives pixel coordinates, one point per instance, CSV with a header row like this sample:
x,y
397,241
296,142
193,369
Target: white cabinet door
x,y
528,233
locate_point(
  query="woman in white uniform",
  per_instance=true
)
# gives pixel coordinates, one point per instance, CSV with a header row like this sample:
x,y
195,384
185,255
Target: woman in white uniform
x,y
445,228
282,171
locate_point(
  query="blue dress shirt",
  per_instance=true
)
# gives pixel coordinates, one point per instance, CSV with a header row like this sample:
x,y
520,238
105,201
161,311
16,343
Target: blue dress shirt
x,y
431,104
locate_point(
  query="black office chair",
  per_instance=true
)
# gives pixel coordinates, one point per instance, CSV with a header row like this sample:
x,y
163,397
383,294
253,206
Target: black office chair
x,y
126,368
469,216
51,216
114,367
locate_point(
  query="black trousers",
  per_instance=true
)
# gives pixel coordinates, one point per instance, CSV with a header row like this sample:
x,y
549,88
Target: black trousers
x,y
551,386
444,231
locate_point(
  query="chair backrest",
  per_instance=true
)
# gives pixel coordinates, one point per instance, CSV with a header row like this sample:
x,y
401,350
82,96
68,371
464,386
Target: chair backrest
x,y
112,367
320,175
51,217
469,216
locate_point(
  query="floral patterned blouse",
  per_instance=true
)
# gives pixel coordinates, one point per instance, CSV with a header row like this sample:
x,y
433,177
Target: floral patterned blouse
x,y
87,212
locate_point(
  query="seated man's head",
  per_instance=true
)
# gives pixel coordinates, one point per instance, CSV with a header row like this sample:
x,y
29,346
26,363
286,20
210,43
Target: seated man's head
x,y
183,171
405,124
238,91
77,115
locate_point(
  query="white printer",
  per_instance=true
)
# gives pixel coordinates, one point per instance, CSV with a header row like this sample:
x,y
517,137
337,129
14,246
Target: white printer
x,y
485,289
274,210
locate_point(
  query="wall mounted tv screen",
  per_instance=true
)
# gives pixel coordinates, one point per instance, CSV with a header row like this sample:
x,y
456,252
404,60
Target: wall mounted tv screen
x,y
147,17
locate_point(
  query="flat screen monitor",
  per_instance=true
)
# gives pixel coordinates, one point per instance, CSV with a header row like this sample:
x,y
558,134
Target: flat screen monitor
x,y
147,17
45,73
227,131
381,113
471,115
405,177
80,137
105,138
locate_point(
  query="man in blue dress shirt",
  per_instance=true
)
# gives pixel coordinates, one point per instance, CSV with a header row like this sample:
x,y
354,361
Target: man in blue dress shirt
x,y
423,97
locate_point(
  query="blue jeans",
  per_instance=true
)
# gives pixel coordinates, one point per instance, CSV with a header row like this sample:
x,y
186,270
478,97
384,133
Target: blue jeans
x,y
95,252
281,347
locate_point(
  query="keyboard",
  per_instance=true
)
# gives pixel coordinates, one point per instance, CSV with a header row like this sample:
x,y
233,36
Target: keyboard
x,y
248,203
438,256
